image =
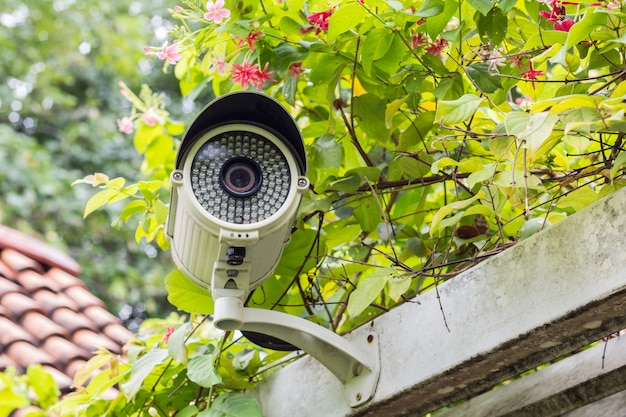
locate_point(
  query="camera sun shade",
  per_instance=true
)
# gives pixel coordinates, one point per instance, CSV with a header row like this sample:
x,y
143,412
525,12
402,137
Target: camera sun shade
x,y
236,187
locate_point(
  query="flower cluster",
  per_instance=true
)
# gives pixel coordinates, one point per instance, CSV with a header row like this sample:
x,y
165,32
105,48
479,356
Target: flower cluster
x,y
319,21
246,74
147,107
216,11
166,52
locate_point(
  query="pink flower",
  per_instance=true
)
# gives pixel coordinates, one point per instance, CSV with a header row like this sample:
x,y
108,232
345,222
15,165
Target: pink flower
x,y
216,11
125,125
319,21
219,64
170,331
563,25
150,117
531,74
169,53
295,69
250,39
263,75
245,73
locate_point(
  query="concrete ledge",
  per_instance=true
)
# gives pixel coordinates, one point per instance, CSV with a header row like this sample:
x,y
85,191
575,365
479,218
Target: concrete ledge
x,y
547,296
567,385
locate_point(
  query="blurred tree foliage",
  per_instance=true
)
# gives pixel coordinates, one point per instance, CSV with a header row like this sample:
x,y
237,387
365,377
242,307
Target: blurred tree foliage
x,y
59,101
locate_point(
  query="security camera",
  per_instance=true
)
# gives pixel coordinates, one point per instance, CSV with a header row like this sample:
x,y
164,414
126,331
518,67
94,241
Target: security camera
x,y
237,182
236,187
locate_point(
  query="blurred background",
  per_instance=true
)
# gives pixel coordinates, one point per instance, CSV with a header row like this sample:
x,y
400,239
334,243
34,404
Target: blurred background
x,y
61,61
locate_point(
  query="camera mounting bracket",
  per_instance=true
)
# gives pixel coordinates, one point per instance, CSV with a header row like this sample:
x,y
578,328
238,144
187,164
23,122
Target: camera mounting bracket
x,y
355,363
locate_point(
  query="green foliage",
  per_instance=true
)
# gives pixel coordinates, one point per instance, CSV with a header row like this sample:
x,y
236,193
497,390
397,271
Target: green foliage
x,y
432,139
439,133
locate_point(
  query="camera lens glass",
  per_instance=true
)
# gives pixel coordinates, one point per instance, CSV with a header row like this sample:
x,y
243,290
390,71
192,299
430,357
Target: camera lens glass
x,y
240,176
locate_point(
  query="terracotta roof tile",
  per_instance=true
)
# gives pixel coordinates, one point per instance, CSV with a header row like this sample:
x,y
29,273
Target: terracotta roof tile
x,y
47,314
50,301
24,354
11,333
37,250
42,327
19,262
18,304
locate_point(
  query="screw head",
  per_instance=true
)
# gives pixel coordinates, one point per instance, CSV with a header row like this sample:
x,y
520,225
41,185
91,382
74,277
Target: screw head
x,y
177,176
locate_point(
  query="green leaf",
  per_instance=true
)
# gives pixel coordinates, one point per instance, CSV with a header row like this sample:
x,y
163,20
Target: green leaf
x,y
44,386
493,25
132,208
412,168
459,110
375,46
140,371
437,23
583,28
397,286
99,199
368,214
447,209
479,73
392,109
347,17
370,111
532,128
368,289
431,8
187,296
201,366
233,404
619,162
578,199
483,6
176,343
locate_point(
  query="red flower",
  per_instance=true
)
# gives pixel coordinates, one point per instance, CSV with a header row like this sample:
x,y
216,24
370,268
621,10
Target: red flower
x,y
295,69
436,47
557,11
563,25
417,39
250,39
166,336
319,21
532,74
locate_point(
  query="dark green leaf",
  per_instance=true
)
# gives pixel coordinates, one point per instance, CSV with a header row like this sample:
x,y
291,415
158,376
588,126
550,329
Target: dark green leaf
x,y
479,73
493,25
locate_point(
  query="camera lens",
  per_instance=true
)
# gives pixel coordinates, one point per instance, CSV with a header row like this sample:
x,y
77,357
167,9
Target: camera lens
x,y
240,177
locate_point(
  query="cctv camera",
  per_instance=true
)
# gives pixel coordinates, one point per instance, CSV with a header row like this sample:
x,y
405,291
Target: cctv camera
x,y
238,180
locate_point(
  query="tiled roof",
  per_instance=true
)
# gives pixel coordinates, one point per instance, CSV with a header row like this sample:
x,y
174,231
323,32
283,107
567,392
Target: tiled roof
x,y
47,314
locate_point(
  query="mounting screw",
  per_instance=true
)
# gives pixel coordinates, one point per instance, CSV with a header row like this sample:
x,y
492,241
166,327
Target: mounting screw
x,y
177,176
370,338
302,182
358,396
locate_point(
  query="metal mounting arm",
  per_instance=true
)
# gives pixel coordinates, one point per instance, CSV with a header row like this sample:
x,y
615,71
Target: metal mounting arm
x,y
355,363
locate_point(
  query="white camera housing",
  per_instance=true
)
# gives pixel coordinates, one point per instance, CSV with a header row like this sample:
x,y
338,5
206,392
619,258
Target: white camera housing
x,y
236,189
237,183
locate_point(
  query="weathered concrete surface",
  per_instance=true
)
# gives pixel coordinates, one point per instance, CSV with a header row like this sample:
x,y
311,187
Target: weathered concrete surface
x,y
549,295
569,384
614,406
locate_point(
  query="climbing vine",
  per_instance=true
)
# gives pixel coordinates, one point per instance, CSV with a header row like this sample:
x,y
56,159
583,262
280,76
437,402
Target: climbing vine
x,y
438,132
